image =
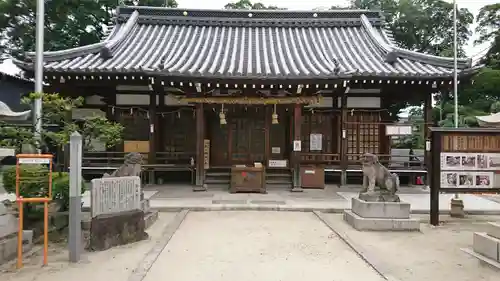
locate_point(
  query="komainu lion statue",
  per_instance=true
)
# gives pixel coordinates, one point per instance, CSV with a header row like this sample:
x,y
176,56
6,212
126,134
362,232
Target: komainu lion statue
x,y
130,167
375,174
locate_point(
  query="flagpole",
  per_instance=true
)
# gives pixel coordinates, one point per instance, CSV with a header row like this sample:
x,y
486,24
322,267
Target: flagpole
x,y
37,106
455,76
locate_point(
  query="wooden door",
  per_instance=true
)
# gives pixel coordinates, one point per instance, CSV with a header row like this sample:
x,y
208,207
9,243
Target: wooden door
x,y
248,139
241,141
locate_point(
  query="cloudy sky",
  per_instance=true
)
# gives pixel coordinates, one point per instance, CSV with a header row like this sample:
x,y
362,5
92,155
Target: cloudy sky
x,y
472,5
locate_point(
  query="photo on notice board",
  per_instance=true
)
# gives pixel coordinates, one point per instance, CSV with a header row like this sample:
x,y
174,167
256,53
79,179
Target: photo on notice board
x,y
451,161
482,161
466,180
494,161
449,179
484,180
469,162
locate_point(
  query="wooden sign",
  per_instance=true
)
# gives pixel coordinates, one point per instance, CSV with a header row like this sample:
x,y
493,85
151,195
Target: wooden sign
x,y
206,154
471,143
297,145
315,142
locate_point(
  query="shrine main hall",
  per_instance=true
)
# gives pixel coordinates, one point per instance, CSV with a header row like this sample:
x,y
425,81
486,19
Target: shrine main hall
x,y
278,97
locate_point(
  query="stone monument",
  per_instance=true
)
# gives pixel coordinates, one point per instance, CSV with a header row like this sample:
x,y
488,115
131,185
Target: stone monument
x,y
378,207
123,219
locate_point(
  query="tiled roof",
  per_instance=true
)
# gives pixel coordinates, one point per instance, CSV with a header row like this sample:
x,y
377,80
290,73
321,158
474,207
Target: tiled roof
x,y
249,44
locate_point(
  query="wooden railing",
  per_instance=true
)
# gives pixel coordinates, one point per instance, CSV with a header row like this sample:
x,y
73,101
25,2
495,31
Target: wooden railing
x,y
320,159
391,161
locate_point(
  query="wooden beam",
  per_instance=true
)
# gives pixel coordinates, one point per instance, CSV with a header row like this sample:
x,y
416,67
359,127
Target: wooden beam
x,y
152,130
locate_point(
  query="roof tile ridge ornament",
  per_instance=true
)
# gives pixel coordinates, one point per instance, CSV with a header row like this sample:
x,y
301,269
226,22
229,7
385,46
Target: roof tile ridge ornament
x,y
103,47
393,52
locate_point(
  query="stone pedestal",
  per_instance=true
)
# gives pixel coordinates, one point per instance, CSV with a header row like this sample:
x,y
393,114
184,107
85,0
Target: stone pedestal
x,y
111,230
380,216
8,236
486,245
457,208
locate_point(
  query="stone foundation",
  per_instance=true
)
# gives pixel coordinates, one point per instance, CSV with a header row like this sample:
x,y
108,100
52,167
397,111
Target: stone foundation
x,y
486,245
380,216
112,230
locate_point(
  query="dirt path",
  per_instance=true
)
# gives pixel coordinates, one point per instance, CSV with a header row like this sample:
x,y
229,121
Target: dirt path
x,y
269,246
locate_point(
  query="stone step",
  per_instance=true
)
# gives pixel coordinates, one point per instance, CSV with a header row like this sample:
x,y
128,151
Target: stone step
x,y
217,181
486,245
493,230
8,245
218,174
278,181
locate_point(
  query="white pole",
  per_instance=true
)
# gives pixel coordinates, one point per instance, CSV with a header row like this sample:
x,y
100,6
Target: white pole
x,y
37,114
455,78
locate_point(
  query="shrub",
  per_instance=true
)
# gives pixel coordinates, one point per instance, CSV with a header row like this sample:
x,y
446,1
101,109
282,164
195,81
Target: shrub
x,y
34,183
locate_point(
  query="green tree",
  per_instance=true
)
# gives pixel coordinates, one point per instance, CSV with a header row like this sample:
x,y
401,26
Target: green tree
x,y
248,5
68,23
57,111
423,25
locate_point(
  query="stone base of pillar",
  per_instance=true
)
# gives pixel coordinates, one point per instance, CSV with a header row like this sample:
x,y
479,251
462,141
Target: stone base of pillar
x,y
198,188
297,189
457,208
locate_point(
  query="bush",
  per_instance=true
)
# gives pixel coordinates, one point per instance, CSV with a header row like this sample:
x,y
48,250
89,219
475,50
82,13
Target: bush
x,y
34,183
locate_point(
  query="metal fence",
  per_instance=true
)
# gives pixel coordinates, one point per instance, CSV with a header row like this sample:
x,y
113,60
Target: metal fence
x,y
114,195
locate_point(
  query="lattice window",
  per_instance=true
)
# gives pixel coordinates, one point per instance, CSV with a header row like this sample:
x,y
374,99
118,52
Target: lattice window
x,y
363,133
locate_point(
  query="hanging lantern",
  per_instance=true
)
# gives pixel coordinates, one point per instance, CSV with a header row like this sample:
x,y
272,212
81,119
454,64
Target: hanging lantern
x,y
274,119
222,116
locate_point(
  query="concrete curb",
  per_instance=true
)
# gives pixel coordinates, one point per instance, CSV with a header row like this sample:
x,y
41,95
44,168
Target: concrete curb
x,y
139,273
289,208
369,259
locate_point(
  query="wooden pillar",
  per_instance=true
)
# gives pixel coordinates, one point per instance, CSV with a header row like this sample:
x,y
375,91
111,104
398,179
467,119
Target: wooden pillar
x,y
152,135
297,134
160,131
427,123
343,138
200,136
268,120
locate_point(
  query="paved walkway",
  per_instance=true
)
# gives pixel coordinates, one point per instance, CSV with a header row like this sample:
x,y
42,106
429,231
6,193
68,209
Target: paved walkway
x,y
331,200
249,246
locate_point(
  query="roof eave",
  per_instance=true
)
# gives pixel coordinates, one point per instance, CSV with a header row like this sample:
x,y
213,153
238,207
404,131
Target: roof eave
x,y
104,47
393,52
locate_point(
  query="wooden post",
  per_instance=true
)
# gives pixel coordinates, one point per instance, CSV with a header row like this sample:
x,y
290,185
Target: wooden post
x,y
343,138
267,132
427,121
152,135
160,131
297,124
200,136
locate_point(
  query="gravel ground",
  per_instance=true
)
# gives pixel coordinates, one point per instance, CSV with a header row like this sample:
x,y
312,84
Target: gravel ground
x,y
433,254
115,264
270,246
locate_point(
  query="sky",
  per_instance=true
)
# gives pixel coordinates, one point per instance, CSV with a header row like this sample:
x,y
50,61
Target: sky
x,y
472,5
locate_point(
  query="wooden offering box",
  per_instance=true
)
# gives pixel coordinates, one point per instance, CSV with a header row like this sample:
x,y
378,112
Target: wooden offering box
x,y
248,179
312,177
